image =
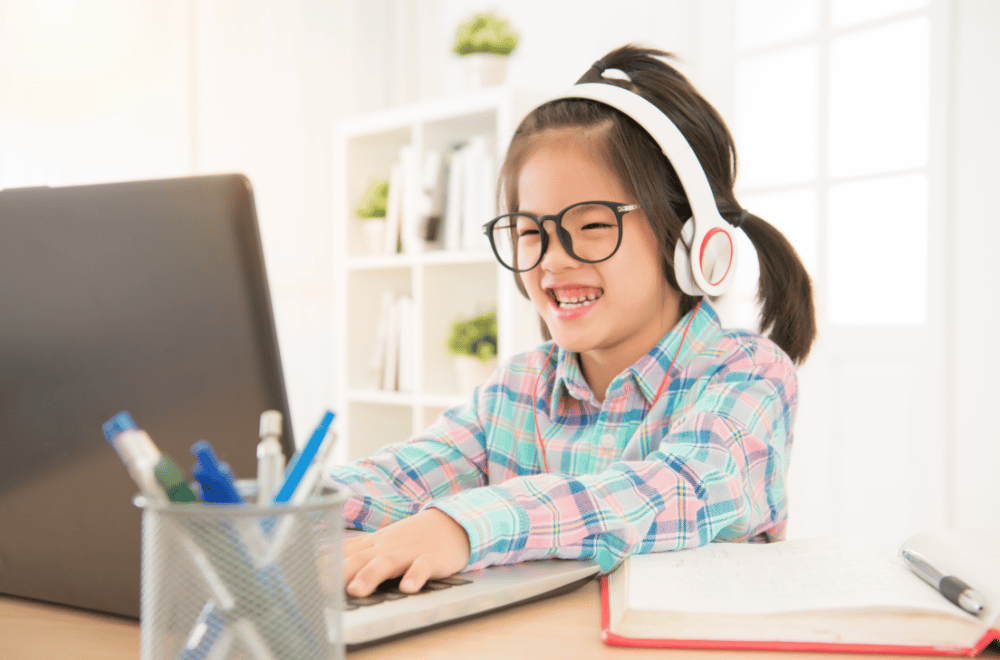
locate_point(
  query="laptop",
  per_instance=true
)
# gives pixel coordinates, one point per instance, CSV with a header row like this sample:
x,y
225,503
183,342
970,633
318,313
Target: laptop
x,y
145,296
389,613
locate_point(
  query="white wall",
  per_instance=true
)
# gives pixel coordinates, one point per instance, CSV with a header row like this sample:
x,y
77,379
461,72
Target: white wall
x,y
124,89
269,79
90,93
559,40
975,300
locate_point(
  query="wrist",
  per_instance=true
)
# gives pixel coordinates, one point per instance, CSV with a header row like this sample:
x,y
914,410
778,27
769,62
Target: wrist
x,y
494,524
456,533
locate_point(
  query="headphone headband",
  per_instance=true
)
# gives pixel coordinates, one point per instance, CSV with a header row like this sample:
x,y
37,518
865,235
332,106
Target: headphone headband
x,y
667,136
705,214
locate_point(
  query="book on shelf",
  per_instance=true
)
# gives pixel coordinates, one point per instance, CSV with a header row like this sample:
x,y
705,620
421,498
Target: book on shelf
x,y
440,200
392,362
468,179
479,183
841,594
432,197
409,230
452,210
405,369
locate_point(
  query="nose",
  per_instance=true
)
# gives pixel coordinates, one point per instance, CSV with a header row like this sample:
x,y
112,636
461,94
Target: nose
x,y
555,257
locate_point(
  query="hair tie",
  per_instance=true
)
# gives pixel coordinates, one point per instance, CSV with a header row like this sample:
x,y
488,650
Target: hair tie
x,y
600,66
739,221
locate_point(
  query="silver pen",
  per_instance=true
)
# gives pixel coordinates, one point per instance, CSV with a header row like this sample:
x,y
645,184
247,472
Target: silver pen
x,y
270,459
950,586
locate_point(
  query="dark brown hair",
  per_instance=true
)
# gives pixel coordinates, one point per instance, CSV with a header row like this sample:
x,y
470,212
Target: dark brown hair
x,y
785,291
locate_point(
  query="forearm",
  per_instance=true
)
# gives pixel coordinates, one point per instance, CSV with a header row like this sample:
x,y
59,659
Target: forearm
x,y
401,479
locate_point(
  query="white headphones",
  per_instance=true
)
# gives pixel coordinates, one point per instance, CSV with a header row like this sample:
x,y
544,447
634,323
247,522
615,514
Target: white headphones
x,y
705,256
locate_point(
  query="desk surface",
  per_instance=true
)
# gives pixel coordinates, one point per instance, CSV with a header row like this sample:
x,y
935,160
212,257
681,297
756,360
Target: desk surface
x,y
564,626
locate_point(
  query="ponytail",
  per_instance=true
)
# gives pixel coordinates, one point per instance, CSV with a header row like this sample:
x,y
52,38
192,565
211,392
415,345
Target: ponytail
x,y
784,292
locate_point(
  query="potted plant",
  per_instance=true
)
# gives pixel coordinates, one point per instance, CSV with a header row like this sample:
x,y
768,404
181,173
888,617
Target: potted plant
x,y
484,42
473,343
371,212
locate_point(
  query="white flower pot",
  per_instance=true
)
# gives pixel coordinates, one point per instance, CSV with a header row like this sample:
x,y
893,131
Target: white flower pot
x,y
373,229
484,70
470,372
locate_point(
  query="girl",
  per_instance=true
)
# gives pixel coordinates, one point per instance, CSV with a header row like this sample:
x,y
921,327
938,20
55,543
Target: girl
x,y
642,426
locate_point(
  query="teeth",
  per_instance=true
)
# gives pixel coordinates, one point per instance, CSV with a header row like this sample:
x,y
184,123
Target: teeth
x,y
573,305
572,302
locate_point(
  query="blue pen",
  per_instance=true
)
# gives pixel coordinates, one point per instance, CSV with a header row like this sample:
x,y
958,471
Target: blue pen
x,y
302,460
217,483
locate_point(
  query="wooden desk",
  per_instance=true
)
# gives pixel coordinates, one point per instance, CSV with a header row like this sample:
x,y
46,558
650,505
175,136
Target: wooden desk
x,y
565,626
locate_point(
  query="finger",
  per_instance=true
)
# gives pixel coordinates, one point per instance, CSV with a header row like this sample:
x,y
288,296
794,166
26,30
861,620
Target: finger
x,y
380,568
416,575
350,565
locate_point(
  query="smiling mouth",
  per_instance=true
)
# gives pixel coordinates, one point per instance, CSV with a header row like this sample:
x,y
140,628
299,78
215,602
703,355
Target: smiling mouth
x,y
565,300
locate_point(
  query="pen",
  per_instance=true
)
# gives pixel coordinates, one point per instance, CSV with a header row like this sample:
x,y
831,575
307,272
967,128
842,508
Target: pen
x,y
280,533
137,452
270,460
950,586
217,483
302,460
172,481
307,485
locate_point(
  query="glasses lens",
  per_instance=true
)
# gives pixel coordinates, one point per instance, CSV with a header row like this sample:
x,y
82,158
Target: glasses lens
x,y
517,241
593,230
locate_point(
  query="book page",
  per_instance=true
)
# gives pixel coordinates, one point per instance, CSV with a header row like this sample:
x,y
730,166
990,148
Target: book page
x,y
827,573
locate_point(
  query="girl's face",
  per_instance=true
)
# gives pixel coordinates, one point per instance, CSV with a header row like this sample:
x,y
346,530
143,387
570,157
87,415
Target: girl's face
x,y
627,305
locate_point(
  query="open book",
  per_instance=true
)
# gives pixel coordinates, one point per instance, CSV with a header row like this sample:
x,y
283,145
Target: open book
x,y
830,593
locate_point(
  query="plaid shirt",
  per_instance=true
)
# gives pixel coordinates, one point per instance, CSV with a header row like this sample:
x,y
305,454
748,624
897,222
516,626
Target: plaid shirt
x,y
707,464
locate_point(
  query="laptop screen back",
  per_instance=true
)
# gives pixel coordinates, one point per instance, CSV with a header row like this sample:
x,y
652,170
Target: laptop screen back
x,y
149,297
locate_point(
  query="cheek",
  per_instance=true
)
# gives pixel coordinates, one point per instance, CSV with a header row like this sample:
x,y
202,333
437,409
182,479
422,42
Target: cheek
x,y
530,280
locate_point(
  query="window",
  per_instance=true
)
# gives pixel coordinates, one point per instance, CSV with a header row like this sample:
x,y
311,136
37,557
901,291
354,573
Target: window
x,y
832,118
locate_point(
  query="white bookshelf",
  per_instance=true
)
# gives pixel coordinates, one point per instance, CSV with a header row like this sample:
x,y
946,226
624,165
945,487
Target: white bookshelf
x,y
443,284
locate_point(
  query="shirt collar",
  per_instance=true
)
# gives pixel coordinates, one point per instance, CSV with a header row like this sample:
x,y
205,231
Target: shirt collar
x,y
650,370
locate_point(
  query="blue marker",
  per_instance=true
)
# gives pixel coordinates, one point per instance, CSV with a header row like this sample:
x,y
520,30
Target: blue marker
x,y
217,483
137,452
302,460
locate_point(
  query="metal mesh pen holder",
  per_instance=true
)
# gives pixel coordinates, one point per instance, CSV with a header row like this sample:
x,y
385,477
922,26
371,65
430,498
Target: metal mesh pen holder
x,y
242,581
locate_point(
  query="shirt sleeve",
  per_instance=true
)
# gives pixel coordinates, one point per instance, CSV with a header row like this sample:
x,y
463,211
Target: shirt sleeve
x,y
718,473
400,480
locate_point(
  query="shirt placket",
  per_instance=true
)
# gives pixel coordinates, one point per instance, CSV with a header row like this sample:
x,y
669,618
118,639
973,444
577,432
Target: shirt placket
x,y
609,431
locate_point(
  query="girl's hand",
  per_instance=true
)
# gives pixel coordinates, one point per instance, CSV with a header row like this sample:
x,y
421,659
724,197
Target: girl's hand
x,y
427,545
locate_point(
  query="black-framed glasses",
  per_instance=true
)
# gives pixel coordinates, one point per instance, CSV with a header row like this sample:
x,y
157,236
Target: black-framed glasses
x,y
590,232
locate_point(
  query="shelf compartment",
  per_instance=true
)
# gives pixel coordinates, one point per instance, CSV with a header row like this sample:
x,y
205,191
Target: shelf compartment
x,y
468,288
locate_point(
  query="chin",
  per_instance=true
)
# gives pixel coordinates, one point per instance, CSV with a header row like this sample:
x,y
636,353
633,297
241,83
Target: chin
x,y
571,341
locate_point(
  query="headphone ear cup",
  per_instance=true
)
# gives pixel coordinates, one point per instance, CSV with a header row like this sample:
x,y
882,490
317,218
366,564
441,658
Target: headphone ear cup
x,y
682,261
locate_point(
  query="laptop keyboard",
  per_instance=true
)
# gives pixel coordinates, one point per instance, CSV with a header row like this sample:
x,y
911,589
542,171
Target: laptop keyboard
x,y
389,591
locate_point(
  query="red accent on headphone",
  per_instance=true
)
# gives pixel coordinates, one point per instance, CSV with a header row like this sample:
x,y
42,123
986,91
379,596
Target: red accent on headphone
x,y
701,255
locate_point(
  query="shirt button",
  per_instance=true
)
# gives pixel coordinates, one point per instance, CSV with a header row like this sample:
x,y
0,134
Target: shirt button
x,y
608,441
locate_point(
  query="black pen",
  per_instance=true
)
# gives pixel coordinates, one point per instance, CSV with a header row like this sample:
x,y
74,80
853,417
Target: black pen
x,y
950,586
